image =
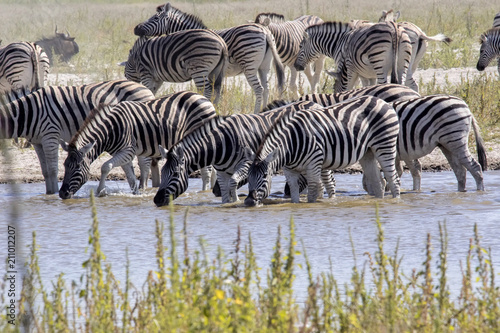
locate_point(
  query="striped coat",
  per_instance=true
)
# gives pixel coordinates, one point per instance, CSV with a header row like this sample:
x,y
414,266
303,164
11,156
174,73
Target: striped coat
x,y
56,112
131,129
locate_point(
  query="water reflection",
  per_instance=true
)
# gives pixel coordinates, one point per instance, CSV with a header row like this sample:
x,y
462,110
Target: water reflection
x,y
324,228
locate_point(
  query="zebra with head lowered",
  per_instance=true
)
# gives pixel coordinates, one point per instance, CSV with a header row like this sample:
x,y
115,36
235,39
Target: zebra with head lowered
x,y
52,113
288,36
200,55
218,143
426,122
369,52
130,129
363,129
251,47
23,65
490,46
418,40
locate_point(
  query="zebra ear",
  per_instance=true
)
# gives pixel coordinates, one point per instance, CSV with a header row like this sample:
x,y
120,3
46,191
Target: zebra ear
x,y
249,154
483,39
64,145
397,15
163,151
167,7
272,156
124,63
85,149
305,35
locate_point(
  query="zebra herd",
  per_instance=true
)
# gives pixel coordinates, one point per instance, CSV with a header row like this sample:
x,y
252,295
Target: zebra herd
x,y
378,126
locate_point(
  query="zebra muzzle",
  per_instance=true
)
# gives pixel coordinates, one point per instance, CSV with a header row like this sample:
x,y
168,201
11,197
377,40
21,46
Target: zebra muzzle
x,y
251,200
161,198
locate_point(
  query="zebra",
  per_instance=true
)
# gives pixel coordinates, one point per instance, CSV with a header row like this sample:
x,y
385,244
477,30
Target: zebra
x,y
418,40
56,112
368,52
363,129
389,92
442,121
23,65
219,143
251,47
130,129
288,36
419,136
200,55
490,46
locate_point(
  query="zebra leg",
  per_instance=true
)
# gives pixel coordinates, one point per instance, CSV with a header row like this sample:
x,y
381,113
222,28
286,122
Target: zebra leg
x,y
388,165
144,166
294,92
314,185
463,163
155,172
328,181
206,175
49,169
265,84
292,178
416,172
128,168
257,88
371,175
124,158
318,68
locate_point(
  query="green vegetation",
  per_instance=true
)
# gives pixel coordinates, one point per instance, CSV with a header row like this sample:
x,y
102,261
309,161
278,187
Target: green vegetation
x,y
194,293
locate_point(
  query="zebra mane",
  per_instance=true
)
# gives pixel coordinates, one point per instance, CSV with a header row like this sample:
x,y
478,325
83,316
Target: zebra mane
x,y
285,114
330,25
184,16
90,117
276,104
273,17
9,97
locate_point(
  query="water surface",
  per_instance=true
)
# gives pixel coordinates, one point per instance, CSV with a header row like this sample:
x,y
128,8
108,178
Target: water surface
x,y
324,228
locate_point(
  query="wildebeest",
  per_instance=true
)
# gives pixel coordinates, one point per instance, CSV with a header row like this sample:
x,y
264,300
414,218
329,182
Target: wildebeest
x,y
62,45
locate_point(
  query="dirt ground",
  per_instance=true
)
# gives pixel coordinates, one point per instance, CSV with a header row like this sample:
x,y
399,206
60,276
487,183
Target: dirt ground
x,y
25,168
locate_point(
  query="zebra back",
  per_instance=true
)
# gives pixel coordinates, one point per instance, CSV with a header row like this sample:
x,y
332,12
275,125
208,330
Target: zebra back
x,y
388,92
22,65
496,20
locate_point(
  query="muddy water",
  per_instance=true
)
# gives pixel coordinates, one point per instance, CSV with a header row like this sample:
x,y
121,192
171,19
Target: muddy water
x,y
324,228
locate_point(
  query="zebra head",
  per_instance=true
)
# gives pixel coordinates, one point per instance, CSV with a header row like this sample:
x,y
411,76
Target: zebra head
x,y
76,169
259,177
307,53
174,176
490,48
131,65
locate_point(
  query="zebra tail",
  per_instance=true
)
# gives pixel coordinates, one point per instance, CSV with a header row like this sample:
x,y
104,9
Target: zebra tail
x,y
278,66
395,48
219,72
35,61
481,151
438,38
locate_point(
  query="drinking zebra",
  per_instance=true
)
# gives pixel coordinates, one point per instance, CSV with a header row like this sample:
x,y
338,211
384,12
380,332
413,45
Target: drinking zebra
x,y
426,123
219,143
56,112
23,65
200,55
288,36
490,46
363,129
251,47
130,129
418,40
369,52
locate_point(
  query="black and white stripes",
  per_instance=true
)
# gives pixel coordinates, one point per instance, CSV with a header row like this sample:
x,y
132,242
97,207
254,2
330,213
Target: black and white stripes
x,y
490,46
23,65
131,129
55,112
200,55
251,47
363,129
